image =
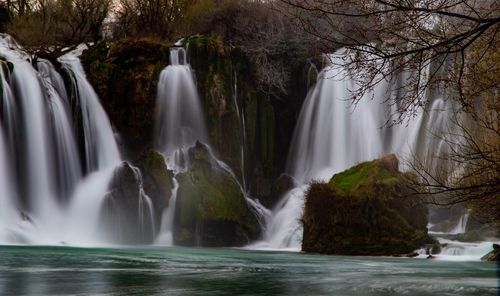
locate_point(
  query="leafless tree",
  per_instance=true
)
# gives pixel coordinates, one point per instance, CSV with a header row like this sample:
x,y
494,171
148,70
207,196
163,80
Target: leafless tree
x,y
151,18
440,44
52,25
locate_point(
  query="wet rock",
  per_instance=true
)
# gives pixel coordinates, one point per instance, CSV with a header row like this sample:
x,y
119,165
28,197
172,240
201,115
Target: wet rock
x,y
125,76
126,213
211,209
157,181
365,210
494,255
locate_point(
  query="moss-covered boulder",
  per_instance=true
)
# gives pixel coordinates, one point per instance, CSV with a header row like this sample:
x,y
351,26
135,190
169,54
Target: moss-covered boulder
x,y
125,76
365,210
126,215
240,115
211,209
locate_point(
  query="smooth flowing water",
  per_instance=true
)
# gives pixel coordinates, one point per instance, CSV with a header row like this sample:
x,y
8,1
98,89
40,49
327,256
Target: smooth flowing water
x,y
182,271
333,134
46,196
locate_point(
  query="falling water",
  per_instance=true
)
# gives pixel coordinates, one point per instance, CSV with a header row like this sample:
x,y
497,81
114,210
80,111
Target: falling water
x,y
180,121
7,208
461,226
332,135
100,144
66,158
179,124
43,194
26,87
165,236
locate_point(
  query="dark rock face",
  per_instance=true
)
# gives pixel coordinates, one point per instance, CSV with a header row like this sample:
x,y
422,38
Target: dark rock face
x,y
366,210
238,114
211,209
125,220
125,76
157,181
493,255
132,209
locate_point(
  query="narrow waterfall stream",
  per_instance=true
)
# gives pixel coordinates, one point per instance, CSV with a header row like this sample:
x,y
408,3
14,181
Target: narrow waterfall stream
x,y
179,124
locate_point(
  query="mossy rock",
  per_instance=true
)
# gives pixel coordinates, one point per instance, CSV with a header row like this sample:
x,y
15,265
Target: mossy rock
x,y
211,209
125,76
157,181
366,210
237,114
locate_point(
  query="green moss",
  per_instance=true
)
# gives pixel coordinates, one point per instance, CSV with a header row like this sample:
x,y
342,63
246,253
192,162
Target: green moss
x,y
211,200
366,210
352,180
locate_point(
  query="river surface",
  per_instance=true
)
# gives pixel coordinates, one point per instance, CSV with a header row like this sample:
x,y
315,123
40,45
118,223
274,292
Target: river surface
x,y
38,270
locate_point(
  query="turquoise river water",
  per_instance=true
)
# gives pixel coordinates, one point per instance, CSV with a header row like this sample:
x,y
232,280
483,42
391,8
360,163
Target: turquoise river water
x,y
38,270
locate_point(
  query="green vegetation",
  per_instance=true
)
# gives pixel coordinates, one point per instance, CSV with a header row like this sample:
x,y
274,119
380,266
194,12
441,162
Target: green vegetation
x,y
366,210
211,209
125,76
357,179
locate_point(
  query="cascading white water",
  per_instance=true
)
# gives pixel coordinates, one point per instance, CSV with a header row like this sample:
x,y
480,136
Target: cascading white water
x,y
8,211
332,135
180,122
29,95
165,236
68,169
45,199
461,226
100,144
8,108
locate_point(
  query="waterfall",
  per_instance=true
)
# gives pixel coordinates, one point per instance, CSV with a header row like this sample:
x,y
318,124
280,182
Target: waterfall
x,y
7,209
66,158
100,144
180,120
38,187
179,124
45,198
165,236
333,134
461,226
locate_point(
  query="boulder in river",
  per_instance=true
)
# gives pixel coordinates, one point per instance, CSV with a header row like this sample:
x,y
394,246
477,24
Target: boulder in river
x,y
365,210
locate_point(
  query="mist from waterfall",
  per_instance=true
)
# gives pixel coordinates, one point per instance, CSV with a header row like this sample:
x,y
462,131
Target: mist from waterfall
x,y
333,134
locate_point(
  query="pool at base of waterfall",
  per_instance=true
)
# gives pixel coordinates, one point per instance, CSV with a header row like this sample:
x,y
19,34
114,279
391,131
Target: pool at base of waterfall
x,y
40,270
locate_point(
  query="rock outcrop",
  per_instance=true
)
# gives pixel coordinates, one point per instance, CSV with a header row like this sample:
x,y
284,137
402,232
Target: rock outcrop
x,y
494,255
125,76
211,209
132,209
365,210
